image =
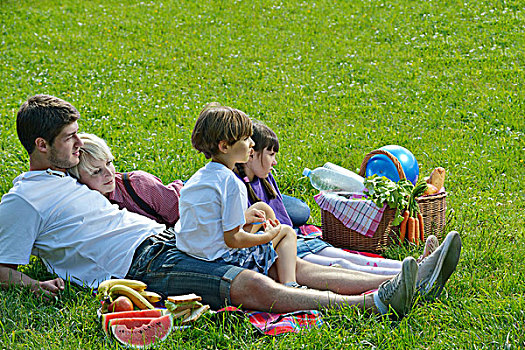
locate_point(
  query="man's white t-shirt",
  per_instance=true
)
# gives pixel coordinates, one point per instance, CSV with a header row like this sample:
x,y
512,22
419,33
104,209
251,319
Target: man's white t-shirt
x,y
211,202
77,232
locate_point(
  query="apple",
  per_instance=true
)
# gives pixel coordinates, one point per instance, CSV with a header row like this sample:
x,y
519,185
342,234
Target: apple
x,y
122,303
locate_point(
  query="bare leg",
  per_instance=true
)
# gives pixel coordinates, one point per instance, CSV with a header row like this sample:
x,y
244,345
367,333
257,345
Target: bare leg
x,y
329,261
258,292
340,281
285,244
286,247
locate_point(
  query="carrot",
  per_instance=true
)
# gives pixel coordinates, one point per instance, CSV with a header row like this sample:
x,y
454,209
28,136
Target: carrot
x,y
416,234
411,229
403,227
421,227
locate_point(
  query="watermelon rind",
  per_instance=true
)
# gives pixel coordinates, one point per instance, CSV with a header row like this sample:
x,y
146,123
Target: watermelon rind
x,y
140,337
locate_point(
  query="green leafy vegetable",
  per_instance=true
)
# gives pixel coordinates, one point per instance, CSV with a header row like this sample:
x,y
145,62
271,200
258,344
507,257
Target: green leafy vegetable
x,y
170,306
382,190
419,189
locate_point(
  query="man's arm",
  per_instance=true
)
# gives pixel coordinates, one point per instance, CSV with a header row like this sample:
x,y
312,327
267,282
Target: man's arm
x,y
18,216
9,275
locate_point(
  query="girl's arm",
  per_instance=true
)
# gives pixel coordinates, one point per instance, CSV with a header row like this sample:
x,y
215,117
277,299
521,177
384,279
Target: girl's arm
x,y
238,238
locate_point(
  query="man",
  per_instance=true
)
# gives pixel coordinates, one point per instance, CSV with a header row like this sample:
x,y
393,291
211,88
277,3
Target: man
x,y
81,236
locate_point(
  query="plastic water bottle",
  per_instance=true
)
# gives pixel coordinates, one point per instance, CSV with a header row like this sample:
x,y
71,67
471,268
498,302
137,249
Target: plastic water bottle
x,y
359,180
325,179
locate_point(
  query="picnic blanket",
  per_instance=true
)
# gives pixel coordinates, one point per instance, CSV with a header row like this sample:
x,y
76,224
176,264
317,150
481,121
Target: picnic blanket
x,y
360,215
311,231
269,323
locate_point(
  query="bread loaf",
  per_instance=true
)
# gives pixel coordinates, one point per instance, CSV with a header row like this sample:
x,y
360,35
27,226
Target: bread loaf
x,y
437,178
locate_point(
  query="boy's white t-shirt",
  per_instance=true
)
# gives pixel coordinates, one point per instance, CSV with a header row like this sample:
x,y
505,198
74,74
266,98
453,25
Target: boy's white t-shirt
x,y
76,231
211,202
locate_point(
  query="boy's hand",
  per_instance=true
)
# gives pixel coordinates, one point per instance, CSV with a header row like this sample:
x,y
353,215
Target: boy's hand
x,y
255,216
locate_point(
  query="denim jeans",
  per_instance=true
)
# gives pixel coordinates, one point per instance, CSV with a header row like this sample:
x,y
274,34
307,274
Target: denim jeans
x,y
297,210
168,271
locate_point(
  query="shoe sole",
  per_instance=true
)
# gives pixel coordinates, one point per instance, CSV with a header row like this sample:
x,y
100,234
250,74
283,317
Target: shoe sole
x,y
409,276
446,265
431,244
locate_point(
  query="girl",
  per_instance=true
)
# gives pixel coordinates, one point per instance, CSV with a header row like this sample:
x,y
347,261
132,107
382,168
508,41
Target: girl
x,y
216,223
137,191
261,186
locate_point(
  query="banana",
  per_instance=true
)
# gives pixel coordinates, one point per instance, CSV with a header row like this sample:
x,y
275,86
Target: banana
x,y
105,286
152,297
137,299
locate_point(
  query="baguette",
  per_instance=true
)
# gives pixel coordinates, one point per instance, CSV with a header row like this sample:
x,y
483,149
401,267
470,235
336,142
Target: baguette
x,y
437,178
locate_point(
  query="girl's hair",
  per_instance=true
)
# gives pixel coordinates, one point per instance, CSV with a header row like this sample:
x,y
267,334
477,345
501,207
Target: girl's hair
x,y
94,149
264,138
218,123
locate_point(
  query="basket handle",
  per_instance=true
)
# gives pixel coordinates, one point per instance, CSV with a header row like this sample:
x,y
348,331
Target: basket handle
x,y
398,166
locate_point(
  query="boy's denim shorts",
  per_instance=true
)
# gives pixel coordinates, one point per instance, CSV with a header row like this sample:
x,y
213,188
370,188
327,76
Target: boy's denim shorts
x,y
168,271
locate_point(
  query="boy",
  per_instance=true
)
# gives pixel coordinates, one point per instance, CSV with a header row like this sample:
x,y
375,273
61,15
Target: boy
x,y
216,224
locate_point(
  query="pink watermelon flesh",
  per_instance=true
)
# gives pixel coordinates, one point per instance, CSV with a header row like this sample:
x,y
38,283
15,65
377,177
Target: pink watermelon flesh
x,y
149,333
127,314
131,322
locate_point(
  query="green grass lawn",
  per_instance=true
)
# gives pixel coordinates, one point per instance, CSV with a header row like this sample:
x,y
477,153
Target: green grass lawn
x,y
335,80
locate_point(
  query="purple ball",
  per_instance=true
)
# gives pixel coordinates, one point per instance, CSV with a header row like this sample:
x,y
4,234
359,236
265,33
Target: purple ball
x,y
383,166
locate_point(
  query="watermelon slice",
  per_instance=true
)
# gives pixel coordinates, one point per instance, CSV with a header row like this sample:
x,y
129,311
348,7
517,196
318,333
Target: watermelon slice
x,y
148,333
105,318
131,322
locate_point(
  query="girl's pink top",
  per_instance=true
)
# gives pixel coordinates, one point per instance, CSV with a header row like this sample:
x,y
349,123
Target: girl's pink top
x,y
164,199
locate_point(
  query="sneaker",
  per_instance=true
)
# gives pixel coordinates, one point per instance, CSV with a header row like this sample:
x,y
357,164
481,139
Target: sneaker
x,y
431,244
398,292
435,270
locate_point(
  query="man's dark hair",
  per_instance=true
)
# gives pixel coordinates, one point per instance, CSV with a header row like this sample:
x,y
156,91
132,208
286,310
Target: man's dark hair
x,y
43,116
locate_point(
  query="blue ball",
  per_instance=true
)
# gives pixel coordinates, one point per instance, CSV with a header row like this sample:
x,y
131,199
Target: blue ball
x,y
383,166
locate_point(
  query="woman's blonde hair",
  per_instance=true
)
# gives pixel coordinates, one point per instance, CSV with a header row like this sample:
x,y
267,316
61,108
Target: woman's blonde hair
x,y
218,123
94,148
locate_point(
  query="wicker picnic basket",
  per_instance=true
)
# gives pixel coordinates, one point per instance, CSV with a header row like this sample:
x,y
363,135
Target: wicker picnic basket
x,y
432,208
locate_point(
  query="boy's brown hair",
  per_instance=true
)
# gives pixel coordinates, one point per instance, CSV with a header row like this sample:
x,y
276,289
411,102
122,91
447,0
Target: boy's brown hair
x,y
43,116
218,123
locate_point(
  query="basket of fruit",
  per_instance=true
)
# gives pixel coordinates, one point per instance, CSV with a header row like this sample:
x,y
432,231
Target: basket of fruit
x,y
411,211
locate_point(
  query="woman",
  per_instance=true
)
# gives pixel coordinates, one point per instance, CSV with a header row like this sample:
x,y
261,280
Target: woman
x,y
258,178
137,191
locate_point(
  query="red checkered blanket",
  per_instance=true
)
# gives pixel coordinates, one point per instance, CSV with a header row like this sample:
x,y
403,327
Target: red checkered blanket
x,y
275,324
